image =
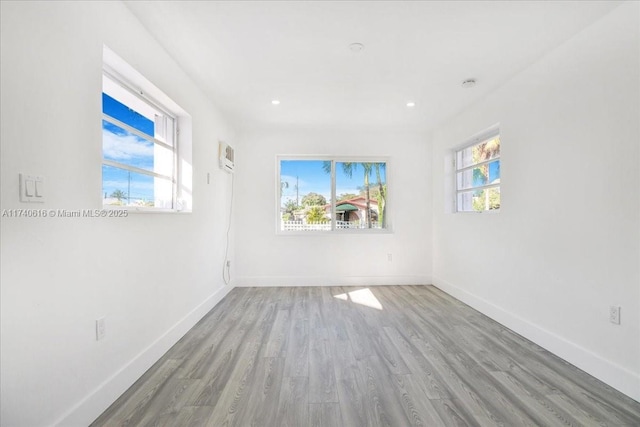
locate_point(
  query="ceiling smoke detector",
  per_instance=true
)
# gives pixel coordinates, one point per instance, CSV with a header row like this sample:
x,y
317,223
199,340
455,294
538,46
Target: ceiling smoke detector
x,y
356,47
469,83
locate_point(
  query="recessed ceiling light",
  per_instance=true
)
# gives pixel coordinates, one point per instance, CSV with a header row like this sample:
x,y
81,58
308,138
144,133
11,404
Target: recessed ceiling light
x,y
469,83
411,104
356,47
275,102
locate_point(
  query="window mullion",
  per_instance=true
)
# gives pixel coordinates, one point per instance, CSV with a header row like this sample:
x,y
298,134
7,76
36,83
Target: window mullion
x,y
135,131
135,169
478,188
475,165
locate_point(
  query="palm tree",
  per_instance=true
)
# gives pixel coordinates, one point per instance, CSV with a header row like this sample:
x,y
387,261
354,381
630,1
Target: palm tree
x,y
382,194
348,168
119,194
316,214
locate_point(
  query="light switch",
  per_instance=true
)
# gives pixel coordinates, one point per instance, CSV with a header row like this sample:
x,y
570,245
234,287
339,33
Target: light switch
x,y
29,187
39,188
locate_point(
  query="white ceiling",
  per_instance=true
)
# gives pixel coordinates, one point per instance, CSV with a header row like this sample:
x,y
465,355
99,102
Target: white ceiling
x,y
245,54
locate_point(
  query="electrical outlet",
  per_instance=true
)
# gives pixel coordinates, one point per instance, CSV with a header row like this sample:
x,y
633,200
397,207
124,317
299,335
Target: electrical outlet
x,y
101,329
389,257
614,314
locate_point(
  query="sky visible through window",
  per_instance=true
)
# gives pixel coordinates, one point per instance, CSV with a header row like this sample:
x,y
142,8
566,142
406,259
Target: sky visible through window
x,y
301,177
494,171
122,146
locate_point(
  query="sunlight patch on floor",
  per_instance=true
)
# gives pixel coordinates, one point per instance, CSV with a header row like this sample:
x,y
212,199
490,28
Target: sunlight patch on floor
x,y
361,296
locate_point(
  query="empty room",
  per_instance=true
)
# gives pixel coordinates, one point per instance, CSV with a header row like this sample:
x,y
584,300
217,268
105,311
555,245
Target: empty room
x,y
320,213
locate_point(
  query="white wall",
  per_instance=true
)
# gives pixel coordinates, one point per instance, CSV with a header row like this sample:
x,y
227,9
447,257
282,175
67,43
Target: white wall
x,y
268,259
566,243
151,275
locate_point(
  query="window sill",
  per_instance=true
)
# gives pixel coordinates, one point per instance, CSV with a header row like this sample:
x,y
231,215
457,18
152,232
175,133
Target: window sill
x,y
141,210
352,232
490,212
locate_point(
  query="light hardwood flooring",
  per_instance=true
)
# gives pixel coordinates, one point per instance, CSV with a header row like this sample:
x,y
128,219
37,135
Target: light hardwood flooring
x,y
344,356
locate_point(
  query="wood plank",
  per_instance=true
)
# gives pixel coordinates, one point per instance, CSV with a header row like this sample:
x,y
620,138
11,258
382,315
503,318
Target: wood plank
x,y
431,382
234,394
297,359
417,407
324,415
538,406
322,380
383,406
279,336
293,405
190,416
352,397
261,406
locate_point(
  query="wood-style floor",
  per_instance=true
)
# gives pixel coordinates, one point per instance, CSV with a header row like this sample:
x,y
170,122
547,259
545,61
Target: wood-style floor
x,y
381,356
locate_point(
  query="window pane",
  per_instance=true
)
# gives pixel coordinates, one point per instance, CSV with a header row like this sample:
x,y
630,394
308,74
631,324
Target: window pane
x,y
122,146
127,115
361,194
121,187
488,173
479,200
486,150
305,195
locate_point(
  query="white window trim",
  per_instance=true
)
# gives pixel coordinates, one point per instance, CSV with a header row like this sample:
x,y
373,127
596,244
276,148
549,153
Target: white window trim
x,y
485,135
334,230
121,73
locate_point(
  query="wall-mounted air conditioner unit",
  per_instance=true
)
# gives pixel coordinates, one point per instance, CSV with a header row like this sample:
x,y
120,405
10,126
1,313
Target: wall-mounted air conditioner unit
x,y
226,157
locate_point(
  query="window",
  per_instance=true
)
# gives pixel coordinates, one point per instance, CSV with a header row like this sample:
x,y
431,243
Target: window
x,y
329,194
139,148
478,175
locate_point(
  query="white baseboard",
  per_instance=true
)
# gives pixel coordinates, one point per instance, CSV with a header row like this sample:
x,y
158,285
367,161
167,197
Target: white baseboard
x,y
89,408
606,371
288,281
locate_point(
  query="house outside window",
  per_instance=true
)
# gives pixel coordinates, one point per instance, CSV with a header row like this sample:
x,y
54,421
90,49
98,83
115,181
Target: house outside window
x,y
332,194
477,176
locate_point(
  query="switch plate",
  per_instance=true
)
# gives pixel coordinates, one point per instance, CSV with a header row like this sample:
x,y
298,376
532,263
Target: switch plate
x,y
101,329
614,314
31,188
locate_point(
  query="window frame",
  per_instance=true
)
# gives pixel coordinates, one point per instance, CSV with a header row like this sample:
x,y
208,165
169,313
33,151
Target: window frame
x,y
485,136
334,160
174,146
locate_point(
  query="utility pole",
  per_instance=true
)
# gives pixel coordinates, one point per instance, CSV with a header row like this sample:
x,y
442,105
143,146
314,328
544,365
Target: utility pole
x,y
129,189
297,193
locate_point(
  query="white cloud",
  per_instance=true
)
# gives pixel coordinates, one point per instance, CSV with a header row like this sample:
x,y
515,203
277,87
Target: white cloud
x,y
125,147
137,185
